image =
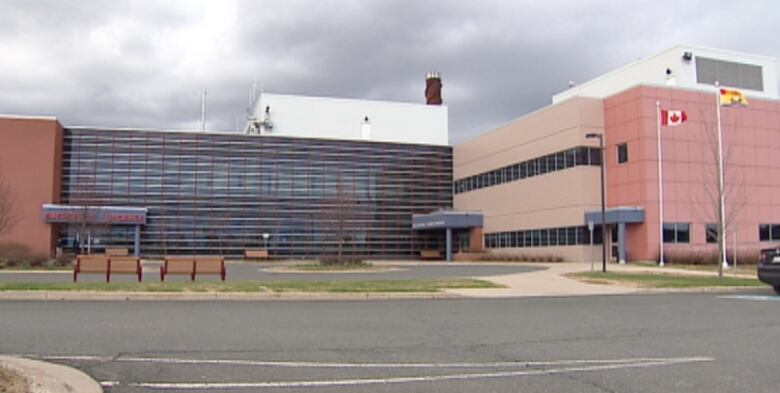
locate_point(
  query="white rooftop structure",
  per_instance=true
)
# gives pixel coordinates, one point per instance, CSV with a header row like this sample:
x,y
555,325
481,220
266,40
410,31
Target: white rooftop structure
x,y
351,119
686,67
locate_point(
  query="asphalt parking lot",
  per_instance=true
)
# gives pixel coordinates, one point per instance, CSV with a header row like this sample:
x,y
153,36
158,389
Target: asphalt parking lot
x,y
264,272
628,343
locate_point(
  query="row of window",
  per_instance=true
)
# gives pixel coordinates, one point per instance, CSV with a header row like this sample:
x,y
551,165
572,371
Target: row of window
x,y
546,237
537,166
680,232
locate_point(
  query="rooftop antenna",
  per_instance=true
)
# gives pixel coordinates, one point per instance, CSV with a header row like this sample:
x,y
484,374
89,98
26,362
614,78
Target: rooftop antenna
x,y
203,110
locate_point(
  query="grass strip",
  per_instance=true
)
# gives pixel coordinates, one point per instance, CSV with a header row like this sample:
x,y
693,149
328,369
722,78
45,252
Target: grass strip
x,y
422,285
741,268
433,285
651,280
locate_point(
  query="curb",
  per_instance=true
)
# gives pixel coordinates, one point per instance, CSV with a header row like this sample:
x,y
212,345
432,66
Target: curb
x,y
218,296
44,377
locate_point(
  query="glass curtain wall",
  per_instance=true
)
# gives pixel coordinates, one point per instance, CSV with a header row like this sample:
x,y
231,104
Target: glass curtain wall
x,y
211,193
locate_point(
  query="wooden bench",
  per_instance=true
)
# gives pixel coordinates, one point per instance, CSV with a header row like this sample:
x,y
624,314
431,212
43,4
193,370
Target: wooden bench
x,y
210,265
256,254
193,266
103,264
430,254
117,252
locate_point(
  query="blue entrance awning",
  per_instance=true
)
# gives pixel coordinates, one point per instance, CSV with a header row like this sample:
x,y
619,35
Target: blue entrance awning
x,y
447,219
617,215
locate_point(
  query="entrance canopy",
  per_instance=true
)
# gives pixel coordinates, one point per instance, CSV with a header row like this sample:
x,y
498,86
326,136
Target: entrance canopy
x,y
617,215
447,219
101,215
620,216
112,215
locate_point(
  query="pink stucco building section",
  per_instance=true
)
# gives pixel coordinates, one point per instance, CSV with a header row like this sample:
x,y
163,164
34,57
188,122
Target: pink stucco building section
x,y
751,139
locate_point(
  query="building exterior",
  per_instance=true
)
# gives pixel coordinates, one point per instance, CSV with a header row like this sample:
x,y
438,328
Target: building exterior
x,y
532,181
297,193
310,173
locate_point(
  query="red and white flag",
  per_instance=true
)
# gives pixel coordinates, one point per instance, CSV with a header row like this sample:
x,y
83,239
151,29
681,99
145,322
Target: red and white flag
x,y
673,118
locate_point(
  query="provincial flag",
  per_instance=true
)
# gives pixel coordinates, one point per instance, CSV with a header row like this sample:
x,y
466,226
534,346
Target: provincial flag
x,y
732,97
673,118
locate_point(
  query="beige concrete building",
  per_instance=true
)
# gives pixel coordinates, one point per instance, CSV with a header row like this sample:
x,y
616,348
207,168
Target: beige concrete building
x,y
516,178
536,179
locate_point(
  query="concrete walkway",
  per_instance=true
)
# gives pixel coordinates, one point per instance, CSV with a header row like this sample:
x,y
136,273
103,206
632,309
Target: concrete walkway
x,y
551,281
547,282
44,377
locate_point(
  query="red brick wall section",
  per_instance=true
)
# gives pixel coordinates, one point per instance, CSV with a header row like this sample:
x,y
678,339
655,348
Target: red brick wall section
x,y
30,162
751,138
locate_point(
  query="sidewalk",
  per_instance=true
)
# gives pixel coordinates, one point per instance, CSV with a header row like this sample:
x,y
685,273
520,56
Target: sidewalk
x,y
546,282
47,377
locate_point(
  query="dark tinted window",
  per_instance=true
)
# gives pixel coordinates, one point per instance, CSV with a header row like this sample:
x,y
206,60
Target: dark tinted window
x,y
622,153
712,233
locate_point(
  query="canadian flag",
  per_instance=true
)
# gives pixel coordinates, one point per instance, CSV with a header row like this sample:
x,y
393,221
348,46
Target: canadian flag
x,y
673,118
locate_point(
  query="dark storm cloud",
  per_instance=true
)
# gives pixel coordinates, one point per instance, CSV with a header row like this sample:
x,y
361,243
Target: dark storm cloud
x,y
142,64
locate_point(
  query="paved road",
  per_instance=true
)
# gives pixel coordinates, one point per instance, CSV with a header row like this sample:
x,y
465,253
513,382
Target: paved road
x,y
697,342
253,271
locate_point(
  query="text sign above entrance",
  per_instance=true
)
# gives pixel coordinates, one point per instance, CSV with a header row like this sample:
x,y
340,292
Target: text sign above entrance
x,y
94,214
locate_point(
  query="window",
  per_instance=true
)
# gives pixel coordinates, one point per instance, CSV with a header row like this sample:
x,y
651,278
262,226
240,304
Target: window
x,y
560,161
746,76
677,232
595,156
570,158
542,165
544,238
768,232
763,233
712,233
622,153
531,168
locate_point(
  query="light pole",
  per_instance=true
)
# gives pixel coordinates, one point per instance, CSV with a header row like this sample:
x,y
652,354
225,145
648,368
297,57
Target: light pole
x,y
265,240
603,202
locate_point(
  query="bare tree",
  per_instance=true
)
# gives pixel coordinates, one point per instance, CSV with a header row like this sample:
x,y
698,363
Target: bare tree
x,y
707,206
340,217
84,196
8,214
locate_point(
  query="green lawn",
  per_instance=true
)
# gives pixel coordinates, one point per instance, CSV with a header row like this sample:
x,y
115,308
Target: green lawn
x,y
652,280
433,285
422,285
741,269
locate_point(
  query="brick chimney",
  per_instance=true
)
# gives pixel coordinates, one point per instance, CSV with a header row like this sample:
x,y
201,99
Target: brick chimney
x,y
433,89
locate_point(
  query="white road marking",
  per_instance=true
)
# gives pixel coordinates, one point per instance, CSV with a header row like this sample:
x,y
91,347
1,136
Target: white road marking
x,y
395,380
262,363
752,297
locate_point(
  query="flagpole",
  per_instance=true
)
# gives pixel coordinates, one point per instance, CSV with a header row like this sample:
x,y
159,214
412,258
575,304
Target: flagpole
x,y
660,187
721,198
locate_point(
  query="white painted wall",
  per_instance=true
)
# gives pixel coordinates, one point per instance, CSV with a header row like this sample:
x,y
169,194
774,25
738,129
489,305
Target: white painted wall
x,y
652,71
336,118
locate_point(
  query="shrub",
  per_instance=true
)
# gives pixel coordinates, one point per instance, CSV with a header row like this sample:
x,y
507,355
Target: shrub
x,y
15,255
13,252
345,260
709,257
502,257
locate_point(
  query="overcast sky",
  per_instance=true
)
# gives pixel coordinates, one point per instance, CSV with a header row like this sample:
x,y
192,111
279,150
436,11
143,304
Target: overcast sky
x,y
142,63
